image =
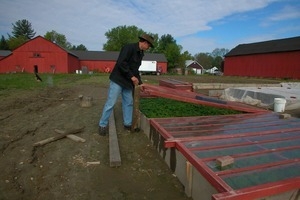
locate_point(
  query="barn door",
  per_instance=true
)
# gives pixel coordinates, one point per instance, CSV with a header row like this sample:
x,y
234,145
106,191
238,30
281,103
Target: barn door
x,y
37,64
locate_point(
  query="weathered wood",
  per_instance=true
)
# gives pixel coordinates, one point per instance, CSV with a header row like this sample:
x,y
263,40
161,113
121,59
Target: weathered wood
x,y
52,139
136,108
70,136
114,151
176,84
86,102
284,116
93,163
189,177
225,161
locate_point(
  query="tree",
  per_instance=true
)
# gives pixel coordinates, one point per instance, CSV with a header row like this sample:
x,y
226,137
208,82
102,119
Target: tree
x,y
58,39
15,42
217,62
121,35
3,44
218,55
184,57
164,41
205,59
79,47
213,59
172,53
168,46
23,28
219,52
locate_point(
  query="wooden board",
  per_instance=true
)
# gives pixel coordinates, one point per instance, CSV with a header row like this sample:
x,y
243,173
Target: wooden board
x,y
114,151
70,136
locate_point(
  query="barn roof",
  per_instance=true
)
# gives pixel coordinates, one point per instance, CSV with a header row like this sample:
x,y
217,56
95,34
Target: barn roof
x,y
155,56
4,53
271,46
113,55
96,55
193,64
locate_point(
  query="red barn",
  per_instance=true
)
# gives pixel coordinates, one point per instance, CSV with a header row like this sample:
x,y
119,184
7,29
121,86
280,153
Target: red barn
x,y
97,61
43,56
271,59
104,61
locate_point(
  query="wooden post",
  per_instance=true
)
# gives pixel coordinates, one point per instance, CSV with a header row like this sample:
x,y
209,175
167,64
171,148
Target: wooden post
x,y
189,177
136,109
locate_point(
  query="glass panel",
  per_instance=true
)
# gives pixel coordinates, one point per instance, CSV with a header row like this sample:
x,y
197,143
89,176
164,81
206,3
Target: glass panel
x,y
274,136
248,161
291,154
258,177
282,144
227,151
218,142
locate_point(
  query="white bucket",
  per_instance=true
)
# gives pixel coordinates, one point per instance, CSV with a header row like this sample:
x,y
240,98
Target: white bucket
x,y
279,104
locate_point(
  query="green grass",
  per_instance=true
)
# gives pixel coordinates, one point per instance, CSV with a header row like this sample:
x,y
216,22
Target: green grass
x,y
18,81
163,108
26,81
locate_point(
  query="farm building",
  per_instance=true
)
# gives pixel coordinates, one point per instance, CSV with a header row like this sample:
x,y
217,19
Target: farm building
x,y
43,56
194,66
271,59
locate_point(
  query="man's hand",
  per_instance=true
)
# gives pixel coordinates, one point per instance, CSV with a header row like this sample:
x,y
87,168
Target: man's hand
x,y
142,87
135,80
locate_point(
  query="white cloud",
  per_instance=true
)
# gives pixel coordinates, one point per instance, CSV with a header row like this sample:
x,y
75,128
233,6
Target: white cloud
x,y
85,22
197,44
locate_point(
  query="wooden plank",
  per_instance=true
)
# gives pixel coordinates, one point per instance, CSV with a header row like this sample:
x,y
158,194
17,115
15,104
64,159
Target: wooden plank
x,y
70,136
114,151
52,139
136,109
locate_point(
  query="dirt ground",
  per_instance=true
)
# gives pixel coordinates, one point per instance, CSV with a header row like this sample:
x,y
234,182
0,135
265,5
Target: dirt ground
x,y
60,170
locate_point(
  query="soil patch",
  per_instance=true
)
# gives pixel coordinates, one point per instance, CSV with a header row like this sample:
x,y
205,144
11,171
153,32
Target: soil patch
x,y
60,170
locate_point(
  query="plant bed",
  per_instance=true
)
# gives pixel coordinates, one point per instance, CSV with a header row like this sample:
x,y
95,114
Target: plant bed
x,y
163,108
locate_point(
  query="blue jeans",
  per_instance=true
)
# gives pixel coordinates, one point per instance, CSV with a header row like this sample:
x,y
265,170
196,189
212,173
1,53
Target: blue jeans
x,y
127,104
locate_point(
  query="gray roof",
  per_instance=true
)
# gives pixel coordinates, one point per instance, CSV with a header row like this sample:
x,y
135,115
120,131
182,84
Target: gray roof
x,y
193,64
272,46
113,55
159,57
4,53
102,55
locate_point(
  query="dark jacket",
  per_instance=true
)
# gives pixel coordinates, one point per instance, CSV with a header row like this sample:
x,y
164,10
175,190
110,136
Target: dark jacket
x,y
127,66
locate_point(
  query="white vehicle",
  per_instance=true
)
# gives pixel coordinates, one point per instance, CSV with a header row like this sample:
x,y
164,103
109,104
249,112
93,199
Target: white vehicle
x,y
148,67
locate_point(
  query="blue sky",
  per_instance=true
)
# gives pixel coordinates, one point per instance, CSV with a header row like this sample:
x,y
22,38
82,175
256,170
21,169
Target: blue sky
x,y
197,25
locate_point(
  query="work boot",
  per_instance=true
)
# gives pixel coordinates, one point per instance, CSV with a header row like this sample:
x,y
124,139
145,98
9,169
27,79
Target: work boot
x,y
102,131
127,128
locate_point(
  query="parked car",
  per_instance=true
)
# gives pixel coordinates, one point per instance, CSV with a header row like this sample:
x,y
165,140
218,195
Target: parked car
x,y
217,73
